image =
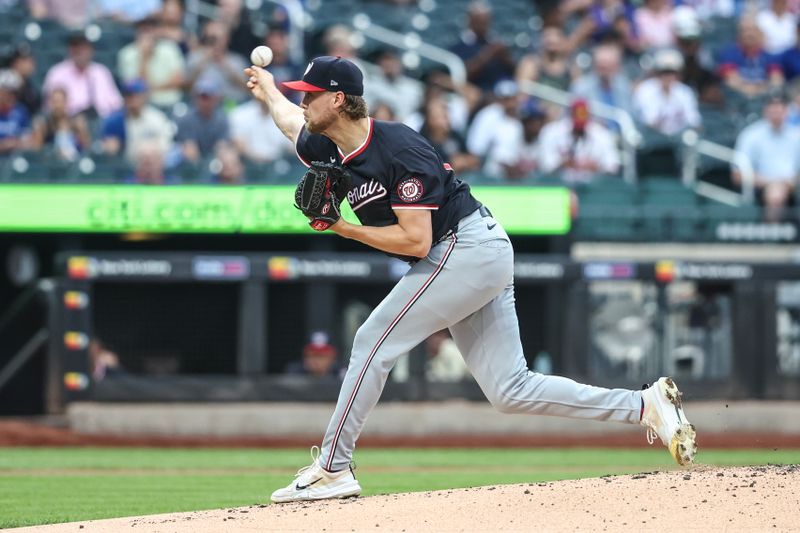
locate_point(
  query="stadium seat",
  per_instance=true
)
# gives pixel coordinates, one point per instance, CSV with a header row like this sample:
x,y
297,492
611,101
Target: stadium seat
x,y
666,190
719,126
604,191
8,33
719,32
607,223
286,171
257,173
36,167
101,168
672,222
741,213
190,172
545,181
657,155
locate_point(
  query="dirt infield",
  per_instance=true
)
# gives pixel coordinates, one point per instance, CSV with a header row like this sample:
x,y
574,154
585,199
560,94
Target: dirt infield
x,y
26,433
703,498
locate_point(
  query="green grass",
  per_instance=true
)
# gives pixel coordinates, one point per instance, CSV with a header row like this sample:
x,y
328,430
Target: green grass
x,y
47,485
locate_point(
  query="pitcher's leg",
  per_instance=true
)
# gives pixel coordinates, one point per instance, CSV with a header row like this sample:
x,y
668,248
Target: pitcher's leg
x,y
454,281
489,341
414,309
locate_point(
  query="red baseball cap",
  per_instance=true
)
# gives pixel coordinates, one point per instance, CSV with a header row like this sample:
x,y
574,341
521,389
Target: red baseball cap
x,y
580,112
329,73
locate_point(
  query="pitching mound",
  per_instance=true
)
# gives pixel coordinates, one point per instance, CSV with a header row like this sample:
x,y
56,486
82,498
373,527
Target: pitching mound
x,y
703,498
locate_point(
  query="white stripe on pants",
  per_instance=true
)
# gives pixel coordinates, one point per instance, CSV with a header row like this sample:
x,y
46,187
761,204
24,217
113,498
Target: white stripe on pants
x,y
465,284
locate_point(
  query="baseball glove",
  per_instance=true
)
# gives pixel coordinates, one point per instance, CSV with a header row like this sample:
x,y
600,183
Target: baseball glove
x,y
320,193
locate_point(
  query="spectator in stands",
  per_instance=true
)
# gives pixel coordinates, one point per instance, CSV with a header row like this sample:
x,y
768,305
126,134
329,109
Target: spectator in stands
x,y
255,135
205,126
445,362
495,125
149,169
778,25
125,131
126,11
157,61
89,85
461,99
73,14
745,67
382,111
393,87
709,9
227,167
172,28
608,18
551,65
577,148
662,101
282,67
15,123
338,41
654,24
698,63
533,117
21,61
790,59
488,59
243,36
773,149
102,361
606,82
449,144
555,12
67,135
319,358
213,60
515,155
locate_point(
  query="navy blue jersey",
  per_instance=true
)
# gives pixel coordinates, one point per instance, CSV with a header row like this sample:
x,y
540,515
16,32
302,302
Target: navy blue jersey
x,y
395,168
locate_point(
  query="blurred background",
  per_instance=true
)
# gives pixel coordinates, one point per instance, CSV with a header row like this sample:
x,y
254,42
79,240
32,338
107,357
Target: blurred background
x,y
645,156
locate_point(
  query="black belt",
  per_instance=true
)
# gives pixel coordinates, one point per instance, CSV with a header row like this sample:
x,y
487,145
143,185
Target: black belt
x,y
483,210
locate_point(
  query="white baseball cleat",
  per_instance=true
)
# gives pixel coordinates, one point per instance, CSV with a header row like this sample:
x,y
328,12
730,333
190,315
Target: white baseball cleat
x,y
664,418
315,483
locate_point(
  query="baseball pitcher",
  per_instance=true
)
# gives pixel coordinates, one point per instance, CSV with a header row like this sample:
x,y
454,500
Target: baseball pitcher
x,y
412,206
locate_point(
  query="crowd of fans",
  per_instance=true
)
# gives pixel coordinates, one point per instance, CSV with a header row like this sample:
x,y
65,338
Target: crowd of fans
x,y
176,97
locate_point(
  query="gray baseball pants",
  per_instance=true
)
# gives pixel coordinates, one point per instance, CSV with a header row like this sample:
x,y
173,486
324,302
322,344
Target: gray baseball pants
x,y
464,284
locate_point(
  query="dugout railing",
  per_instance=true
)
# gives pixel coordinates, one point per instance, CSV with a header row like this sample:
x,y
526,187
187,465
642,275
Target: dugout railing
x,y
202,327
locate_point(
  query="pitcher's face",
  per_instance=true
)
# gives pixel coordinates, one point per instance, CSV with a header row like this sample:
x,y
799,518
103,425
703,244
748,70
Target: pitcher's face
x,y
319,110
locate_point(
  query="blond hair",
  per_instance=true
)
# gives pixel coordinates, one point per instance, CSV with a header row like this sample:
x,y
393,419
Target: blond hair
x,y
355,107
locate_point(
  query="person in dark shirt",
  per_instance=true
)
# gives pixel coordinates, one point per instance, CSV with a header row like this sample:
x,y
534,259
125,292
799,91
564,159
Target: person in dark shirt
x,y
205,126
15,123
243,37
21,61
698,62
55,128
487,59
319,358
282,66
790,59
450,145
411,205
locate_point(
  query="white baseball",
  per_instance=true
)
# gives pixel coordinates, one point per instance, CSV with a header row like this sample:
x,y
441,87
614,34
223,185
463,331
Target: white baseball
x,y
261,56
